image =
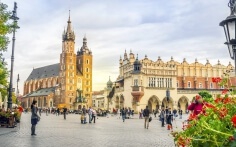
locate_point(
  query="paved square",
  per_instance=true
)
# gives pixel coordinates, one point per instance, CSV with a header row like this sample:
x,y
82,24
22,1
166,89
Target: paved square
x,y
54,131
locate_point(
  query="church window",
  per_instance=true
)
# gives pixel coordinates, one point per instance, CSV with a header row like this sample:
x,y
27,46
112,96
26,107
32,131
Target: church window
x,y
87,75
87,61
71,81
70,88
87,69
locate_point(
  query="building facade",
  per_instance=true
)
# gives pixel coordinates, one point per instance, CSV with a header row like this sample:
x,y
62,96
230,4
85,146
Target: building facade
x,y
145,82
65,84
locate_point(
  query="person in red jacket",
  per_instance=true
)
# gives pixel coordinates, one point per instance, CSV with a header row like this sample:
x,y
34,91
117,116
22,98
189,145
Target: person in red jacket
x,y
197,105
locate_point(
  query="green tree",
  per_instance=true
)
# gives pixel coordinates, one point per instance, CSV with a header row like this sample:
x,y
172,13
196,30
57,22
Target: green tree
x,y
206,96
6,28
14,99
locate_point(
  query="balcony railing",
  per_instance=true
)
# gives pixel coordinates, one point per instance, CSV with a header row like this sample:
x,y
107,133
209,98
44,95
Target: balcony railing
x,y
196,91
137,88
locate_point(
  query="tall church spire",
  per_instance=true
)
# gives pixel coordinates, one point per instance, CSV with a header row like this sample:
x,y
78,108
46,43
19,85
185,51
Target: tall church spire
x,y
69,34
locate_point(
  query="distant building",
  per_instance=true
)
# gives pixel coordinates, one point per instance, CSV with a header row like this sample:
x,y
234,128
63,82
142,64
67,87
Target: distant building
x,y
64,84
145,82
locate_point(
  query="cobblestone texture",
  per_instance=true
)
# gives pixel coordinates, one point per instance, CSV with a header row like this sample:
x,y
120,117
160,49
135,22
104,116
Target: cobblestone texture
x,y
54,131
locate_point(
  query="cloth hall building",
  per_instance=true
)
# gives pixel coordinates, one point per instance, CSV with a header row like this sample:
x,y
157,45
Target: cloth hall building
x,y
144,82
64,84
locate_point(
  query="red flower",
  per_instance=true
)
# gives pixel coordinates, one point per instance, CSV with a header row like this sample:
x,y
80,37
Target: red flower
x,y
217,100
223,112
233,119
226,100
216,79
209,105
197,97
231,138
225,91
192,116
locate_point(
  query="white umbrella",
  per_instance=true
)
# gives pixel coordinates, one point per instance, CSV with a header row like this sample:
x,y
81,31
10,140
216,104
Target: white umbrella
x,y
5,103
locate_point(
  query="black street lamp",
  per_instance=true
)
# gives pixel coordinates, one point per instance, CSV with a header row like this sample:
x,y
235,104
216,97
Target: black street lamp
x,y
229,25
15,18
168,95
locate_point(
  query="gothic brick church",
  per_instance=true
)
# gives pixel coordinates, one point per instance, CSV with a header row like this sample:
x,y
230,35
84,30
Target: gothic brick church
x,y
64,84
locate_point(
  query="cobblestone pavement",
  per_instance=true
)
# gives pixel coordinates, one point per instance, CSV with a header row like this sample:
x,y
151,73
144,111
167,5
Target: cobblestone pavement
x,y
54,131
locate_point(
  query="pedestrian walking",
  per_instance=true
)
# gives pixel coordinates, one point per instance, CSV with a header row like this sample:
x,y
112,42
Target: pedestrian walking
x,y
123,113
162,117
169,120
34,117
90,112
58,111
40,111
175,113
64,112
94,114
180,114
84,114
141,114
146,113
166,112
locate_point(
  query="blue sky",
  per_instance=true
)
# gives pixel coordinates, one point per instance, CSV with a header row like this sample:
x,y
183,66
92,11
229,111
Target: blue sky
x,y
179,28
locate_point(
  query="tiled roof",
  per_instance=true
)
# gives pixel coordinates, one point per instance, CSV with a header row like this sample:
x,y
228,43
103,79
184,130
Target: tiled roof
x,y
44,72
41,92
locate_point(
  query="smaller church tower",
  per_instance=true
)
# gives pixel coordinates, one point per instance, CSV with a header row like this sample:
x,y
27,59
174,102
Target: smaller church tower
x,y
109,84
84,65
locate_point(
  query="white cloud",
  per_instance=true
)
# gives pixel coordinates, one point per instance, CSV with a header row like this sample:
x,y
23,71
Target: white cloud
x,y
182,29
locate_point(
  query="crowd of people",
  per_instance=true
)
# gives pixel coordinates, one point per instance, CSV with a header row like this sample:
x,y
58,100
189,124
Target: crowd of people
x,y
166,115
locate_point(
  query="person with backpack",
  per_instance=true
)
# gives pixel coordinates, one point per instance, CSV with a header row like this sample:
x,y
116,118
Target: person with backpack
x,y
146,117
169,119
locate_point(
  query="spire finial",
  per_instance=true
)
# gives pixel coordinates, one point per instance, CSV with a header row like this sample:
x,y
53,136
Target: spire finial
x,y
137,57
69,15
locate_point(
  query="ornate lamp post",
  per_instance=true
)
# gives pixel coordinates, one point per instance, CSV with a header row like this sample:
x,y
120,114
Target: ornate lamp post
x,y
168,96
15,18
229,25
